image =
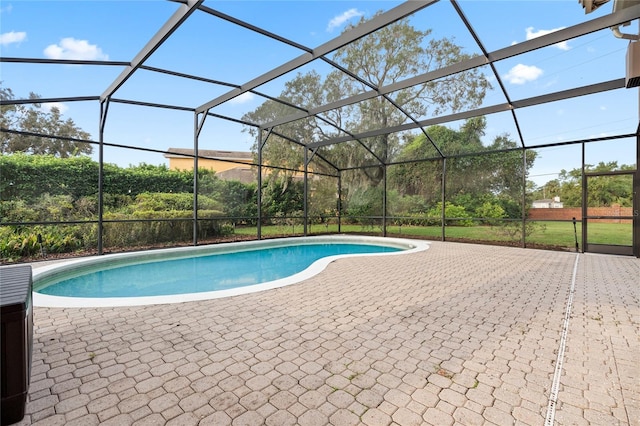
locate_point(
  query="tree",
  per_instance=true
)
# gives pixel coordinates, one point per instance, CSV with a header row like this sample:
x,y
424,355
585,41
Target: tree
x,y
601,191
471,180
389,55
34,119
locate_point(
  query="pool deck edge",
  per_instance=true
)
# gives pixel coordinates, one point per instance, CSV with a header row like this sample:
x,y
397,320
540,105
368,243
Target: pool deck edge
x,y
45,300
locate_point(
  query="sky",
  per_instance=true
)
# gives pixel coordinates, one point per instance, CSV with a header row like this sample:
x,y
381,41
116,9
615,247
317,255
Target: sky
x,y
206,46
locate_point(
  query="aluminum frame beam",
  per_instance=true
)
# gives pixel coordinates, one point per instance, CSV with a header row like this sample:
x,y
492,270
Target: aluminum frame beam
x,y
48,100
578,30
360,31
253,28
551,97
62,61
172,24
478,41
151,104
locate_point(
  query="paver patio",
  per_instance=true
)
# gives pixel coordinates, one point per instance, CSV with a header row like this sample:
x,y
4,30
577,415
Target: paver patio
x,y
459,334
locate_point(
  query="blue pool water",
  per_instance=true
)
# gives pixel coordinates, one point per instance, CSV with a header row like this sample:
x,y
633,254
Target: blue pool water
x,y
203,273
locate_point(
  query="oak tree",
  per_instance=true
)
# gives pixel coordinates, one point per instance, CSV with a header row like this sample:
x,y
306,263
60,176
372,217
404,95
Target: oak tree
x,y
392,54
61,135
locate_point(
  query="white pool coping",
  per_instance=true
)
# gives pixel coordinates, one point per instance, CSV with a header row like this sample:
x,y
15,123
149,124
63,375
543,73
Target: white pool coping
x,y
77,265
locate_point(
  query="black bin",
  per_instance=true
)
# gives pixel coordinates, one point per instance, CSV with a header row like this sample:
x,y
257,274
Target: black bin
x,y
16,334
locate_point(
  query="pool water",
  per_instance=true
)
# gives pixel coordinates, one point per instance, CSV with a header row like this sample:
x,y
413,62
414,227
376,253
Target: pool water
x,y
208,273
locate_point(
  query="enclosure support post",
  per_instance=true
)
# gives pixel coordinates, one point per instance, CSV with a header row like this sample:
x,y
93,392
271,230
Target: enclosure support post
x,y
636,199
524,198
584,202
197,128
444,198
261,145
384,201
339,201
259,193
104,108
635,226
305,198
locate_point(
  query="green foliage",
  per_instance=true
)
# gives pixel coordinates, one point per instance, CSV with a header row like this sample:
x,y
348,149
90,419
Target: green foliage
x,y
513,230
287,224
34,119
422,180
47,208
18,241
490,212
17,211
384,57
30,176
146,178
323,197
150,228
470,180
409,205
15,244
45,188
238,200
512,207
364,205
454,215
603,191
161,201
282,197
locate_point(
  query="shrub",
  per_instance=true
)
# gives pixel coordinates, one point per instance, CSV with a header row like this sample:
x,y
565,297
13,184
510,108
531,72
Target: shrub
x,y
364,206
454,215
168,227
17,211
15,244
161,201
513,229
18,241
490,213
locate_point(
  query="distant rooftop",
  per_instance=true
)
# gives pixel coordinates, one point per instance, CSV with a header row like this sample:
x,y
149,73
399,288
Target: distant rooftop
x,y
209,153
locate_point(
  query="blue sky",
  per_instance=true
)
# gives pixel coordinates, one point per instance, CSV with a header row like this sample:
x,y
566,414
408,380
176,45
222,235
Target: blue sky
x,y
206,46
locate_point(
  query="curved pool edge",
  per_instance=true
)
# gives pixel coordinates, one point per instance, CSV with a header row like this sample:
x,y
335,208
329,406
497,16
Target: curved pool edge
x,y
44,272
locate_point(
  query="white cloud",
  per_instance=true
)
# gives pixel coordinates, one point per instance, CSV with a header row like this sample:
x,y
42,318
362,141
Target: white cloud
x,y
531,34
12,37
520,74
70,48
61,107
344,17
243,99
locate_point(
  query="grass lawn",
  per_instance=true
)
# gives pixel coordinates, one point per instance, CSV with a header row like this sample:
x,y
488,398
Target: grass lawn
x,y
557,234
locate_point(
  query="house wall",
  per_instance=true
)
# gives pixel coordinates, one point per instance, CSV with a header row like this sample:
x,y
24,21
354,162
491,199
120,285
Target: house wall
x,y
204,163
568,213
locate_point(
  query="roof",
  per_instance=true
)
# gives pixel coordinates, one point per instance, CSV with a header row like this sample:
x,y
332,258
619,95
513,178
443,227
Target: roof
x,y
243,174
210,153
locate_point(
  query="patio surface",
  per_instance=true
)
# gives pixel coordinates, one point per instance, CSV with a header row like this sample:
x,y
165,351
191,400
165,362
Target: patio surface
x,y
459,334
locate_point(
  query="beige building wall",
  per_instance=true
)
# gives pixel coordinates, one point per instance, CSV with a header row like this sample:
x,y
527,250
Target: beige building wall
x,y
228,165
176,163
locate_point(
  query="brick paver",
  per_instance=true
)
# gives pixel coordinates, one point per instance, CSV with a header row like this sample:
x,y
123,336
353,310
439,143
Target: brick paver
x,y
459,334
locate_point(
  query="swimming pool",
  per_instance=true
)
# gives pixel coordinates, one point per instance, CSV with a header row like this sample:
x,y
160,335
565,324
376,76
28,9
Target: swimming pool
x,y
198,273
